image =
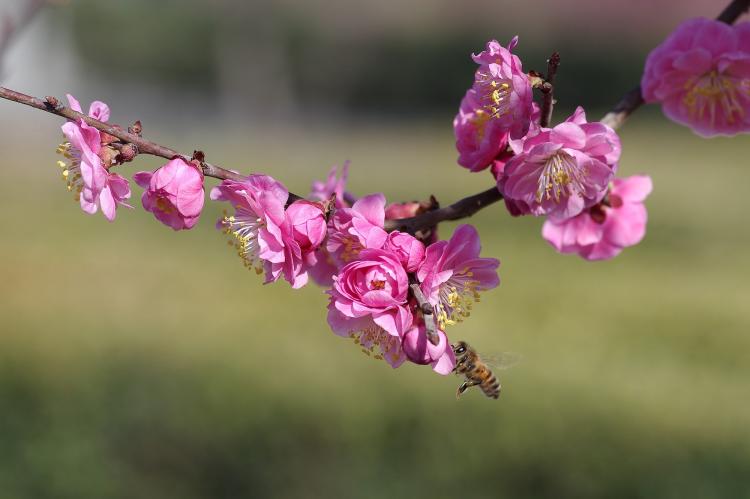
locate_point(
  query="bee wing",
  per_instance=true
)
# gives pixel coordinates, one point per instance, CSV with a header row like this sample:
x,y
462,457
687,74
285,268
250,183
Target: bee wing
x,y
502,360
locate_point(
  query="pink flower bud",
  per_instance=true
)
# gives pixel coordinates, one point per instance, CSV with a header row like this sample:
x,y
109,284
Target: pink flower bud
x,y
420,351
174,193
408,248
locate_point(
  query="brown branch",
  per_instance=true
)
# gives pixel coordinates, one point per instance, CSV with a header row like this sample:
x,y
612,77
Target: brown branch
x,y
634,98
548,90
428,313
143,146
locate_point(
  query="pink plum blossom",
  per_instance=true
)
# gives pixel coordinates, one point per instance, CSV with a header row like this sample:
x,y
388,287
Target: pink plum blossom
x,y
308,226
372,290
86,173
322,191
560,171
602,231
374,340
174,193
420,351
453,274
394,211
353,229
503,90
479,138
409,249
262,234
701,76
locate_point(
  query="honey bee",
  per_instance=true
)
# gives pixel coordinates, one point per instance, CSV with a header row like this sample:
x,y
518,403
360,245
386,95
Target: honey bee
x,y
476,371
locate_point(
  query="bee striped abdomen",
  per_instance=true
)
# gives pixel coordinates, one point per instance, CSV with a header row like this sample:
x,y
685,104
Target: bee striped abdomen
x,y
491,387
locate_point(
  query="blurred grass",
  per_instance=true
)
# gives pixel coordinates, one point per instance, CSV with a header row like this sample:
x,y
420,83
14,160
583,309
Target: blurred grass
x,y
137,362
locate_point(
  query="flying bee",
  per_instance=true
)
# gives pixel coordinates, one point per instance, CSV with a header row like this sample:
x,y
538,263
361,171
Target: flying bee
x,y
476,371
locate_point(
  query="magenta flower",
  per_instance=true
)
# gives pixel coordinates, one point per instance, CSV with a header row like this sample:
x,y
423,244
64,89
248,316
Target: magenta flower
x,y
174,193
560,171
502,88
420,351
353,229
308,226
86,173
408,248
453,274
261,232
602,231
394,211
374,341
372,290
479,139
322,191
701,76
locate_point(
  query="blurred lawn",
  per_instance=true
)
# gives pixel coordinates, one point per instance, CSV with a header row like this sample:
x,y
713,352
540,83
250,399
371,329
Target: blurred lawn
x,y
137,362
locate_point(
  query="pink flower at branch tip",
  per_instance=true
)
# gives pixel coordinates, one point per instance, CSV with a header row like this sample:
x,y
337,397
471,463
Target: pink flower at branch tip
x,y
420,351
479,138
453,274
701,76
602,231
261,233
560,171
322,191
174,193
85,172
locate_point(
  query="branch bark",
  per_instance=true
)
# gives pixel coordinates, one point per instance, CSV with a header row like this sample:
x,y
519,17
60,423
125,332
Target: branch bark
x,y
428,314
548,90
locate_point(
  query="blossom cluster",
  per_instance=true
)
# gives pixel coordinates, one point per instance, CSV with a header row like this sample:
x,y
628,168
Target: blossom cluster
x,y
397,293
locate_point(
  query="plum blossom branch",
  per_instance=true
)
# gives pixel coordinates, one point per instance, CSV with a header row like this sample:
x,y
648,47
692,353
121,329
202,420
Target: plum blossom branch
x,y
548,89
52,105
633,99
428,312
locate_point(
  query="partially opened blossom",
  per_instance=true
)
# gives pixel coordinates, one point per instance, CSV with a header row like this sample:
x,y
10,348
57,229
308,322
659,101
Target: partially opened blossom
x,y
503,89
408,248
602,231
479,138
174,193
322,191
260,230
420,350
353,229
409,209
85,172
560,171
308,226
453,274
372,290
701,76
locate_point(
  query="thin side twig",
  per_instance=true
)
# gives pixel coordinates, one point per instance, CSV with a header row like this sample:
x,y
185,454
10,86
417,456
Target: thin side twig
x,y
428,313
548,90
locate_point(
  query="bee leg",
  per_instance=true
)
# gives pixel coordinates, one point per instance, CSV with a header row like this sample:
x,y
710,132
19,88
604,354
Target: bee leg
x,y
465,386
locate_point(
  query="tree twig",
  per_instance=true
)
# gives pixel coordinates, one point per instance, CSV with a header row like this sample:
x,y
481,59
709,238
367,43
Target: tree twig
x,y
428,313
548,90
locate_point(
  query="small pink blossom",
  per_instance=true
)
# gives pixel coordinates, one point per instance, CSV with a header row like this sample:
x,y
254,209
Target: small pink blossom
x,y
408,248
372,290
308,226
262,234
701,76
174,193
479,138
502,88
420,351
322,191
86,173
394,211
602,231
353,229
560,171
453,274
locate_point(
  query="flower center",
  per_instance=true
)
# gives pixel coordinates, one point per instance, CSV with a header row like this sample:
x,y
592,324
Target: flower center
x,y
456,298
561,176
377,284
713,91
71,170
375,336
165,206
242,229
480,120
351,249
494,95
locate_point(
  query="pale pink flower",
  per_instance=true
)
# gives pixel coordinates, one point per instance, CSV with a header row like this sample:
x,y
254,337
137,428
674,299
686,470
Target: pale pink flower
x,y
420,351
353,229
453,274
85,172
322,191
479,138
701,76
372,290
262,234
502,88
560,171
408,248
603,230
174,193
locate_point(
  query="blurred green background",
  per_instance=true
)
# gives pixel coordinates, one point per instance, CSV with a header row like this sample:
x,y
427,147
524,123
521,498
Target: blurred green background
x,y
138,362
